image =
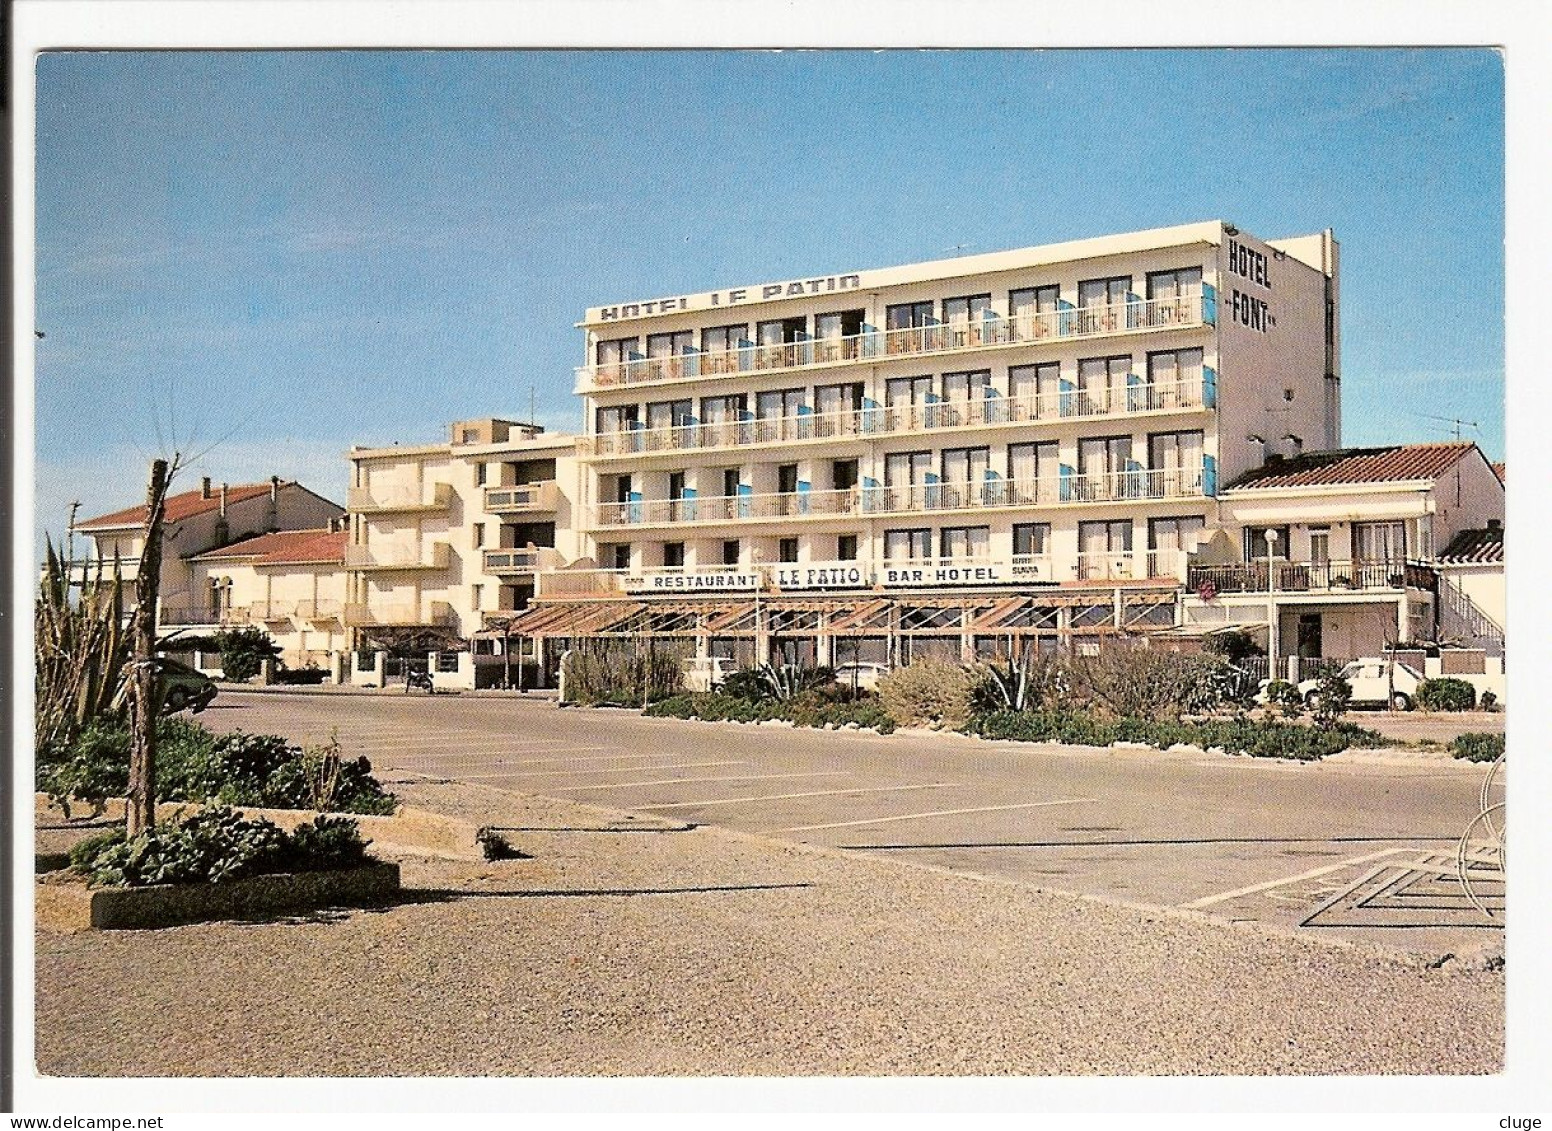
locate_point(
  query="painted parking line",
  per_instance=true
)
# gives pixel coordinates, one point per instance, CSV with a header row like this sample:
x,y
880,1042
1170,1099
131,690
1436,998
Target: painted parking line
x,y
790,796
686,781
452,759
938,813
1313,873
618,769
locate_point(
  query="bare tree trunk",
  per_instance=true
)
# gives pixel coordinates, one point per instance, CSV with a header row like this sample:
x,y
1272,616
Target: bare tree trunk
x,y
140,805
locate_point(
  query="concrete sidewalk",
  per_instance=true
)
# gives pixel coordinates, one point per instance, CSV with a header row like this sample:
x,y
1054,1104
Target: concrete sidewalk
x,y
708,952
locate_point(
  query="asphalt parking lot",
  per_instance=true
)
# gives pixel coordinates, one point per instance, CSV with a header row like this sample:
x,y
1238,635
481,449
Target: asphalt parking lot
x,y
1351,847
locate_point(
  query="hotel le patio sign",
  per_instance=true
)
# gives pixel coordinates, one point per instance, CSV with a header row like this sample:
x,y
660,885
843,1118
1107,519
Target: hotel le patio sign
x,y
834,575
792,288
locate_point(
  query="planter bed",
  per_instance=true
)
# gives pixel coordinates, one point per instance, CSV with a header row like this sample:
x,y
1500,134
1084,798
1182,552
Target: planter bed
x,y
65,903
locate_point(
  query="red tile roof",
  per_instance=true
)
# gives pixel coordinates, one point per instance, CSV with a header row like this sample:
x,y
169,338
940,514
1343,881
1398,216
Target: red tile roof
x,y
286,547
180,506
1396,464
1472,546
1502,471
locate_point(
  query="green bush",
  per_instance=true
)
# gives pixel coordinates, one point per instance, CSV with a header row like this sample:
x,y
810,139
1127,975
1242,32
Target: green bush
x,y
301,676
624,672
1284,698
1331,697
1446,694
243,650
815,708
1147,683
93,768
1258,739
83,852
217,845
929,692
1478,747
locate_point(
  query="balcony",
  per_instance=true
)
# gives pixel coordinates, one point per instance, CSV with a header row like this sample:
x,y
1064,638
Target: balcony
x,y
1278,576
178,617
878,422
270,613
873,345
399,500
319,612
528,497
437,614
397,558
505,563
1137,486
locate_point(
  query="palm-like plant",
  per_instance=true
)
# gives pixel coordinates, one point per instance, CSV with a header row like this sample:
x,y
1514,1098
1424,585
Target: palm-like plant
x,y
82,650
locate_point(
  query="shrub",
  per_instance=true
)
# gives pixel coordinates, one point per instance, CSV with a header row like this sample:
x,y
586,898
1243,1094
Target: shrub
x,y
746,684
83,852
1446,694
814,708
1283,698
1008,687
929,692
1264,739
217,845
317,777
1478,747
243,650
93,768
1331,697
1234,645
623,672
1146,682
301,676
1489,701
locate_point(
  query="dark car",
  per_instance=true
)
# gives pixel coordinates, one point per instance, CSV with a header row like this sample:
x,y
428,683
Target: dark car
x,y
182,687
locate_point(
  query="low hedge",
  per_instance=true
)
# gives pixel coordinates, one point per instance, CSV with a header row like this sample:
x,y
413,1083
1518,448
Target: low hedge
x,y
1256,738
1446,693
1478,747
809,709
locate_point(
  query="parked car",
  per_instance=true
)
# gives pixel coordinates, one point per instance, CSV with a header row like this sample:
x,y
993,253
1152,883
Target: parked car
x,y
1373,684
862,675
706,673
181,686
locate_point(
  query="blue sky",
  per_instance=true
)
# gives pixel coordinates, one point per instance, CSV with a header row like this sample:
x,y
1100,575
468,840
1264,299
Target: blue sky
x,y
285,253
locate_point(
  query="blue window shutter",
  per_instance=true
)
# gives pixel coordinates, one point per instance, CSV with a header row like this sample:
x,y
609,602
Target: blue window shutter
x,y
1064,319
692,362
745,354
1210,476
869,340
687,505
636,428
1064,474
634,506
1064,391
745,502
804,486
1209,304
1209,387
869,493
1135,401
870,415
805,350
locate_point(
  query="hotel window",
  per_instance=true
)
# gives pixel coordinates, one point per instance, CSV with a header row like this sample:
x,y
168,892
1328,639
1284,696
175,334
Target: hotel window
x,y
843,474
1172,295
907,545
1102,384
1174,463
905,325
907,398
669,414
670,345
676,489
1105,537
720,417
673,554
787,478
1031,539
1099,303
1256,547
787,550
730,481
775,339
965,542
618,556
1101,462
1033,471
610,355
1033,300
966,395
964,318
777,413
1320,545
837,333
730,551
1174,378
907,469
1034,389
832,403
965,468
1379,541
720,344
845,547
617,418
479,474
1171,539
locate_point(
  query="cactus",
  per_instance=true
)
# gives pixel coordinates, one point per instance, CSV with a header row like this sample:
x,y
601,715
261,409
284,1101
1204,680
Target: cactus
x,y
82,650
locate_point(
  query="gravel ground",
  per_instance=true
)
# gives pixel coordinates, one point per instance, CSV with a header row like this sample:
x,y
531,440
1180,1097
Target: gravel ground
x,y
707,952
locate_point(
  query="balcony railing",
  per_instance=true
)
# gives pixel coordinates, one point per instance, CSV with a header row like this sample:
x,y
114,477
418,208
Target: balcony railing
x,y
511,561
436,613
182,617
872,344
319,611
389,500
880,421
434,556
1112,487
527,497
273,612
1307,577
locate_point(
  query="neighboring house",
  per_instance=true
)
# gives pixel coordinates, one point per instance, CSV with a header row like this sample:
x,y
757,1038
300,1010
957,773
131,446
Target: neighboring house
x,y
1473,603
198,521
290,583
1341,554
445,537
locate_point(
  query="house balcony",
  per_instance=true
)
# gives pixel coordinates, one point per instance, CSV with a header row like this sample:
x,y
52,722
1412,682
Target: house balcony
x,y
401,559
878,422
433,614
399,500
525,499
874,345
1330,577
274,613
186,617
508,563
319,612
1137,486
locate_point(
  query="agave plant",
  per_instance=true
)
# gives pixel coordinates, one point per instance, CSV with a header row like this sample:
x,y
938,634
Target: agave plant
x,y
1006,687
82,650
787,681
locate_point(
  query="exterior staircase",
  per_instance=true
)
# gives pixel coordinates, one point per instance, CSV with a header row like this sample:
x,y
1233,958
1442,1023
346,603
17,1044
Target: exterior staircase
x,y
1462,621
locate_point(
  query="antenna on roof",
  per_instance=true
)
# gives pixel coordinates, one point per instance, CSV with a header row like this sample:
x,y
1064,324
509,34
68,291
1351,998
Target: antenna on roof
x,y
1454,420
958,248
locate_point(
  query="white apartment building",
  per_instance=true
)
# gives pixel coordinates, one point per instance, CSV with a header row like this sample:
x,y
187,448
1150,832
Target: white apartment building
x,y
955,456
444,537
